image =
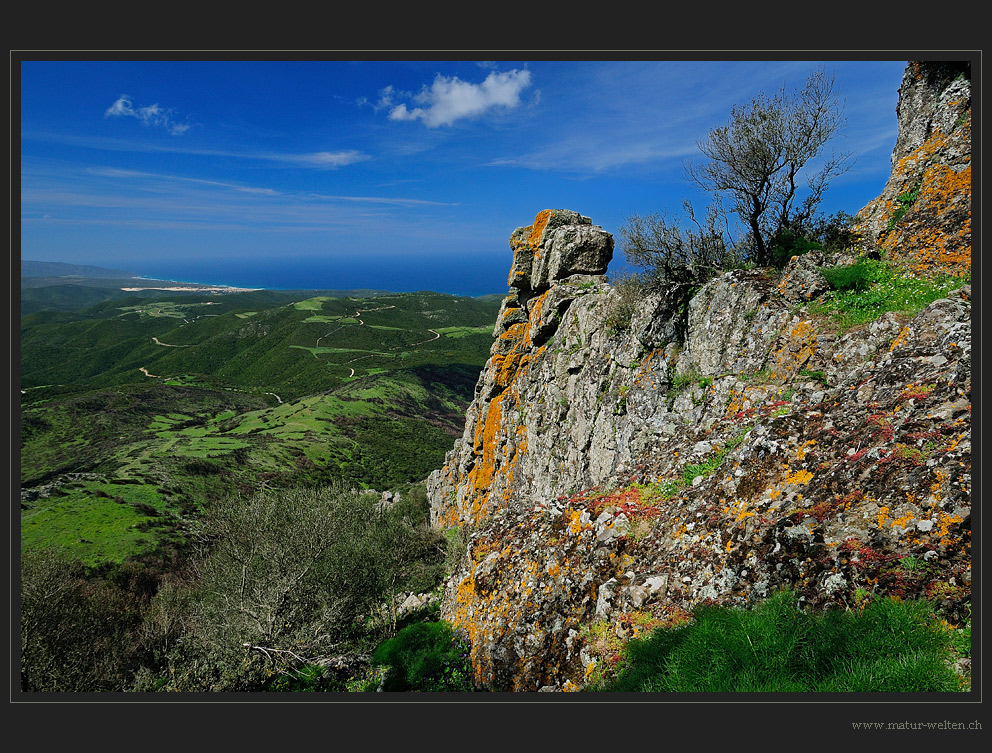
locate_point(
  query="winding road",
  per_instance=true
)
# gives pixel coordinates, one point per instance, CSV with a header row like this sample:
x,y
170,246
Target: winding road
x,y
357,316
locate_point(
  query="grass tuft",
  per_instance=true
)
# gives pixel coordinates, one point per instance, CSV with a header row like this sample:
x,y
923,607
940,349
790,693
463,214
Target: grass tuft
x,y
891,645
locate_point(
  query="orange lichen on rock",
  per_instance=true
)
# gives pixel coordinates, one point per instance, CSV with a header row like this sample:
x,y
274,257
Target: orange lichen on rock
x,y
497,595
537,229
799,347
526,249
800,477
934,236
481,476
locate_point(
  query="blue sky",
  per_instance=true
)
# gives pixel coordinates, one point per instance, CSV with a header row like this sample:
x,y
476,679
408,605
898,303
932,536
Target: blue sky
x,y
412,173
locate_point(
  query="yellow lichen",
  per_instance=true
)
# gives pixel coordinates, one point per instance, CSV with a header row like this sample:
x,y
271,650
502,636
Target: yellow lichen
x,y
801,476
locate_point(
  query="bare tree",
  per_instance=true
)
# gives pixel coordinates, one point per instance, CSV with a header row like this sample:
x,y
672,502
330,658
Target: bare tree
x,y
673,259
673,255
756,159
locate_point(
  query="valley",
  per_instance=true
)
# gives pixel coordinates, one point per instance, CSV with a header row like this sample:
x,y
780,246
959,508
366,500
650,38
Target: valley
x,y
137,412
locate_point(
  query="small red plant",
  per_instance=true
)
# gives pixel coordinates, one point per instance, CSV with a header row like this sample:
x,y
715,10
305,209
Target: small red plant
x,y
923,435
866,556
881,426
631,501
823,510
916,391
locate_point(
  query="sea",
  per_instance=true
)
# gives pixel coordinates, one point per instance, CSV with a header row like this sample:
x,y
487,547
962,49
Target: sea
x,y
453,275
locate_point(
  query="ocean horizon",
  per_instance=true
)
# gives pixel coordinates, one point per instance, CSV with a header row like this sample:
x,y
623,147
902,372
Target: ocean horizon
x,y
440,275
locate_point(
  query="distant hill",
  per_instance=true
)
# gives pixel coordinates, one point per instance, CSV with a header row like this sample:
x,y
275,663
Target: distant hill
x,y
59,269
56,286
64,297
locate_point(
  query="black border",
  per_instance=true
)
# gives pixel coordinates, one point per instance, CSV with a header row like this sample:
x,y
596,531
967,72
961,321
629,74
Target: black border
x,y
784,720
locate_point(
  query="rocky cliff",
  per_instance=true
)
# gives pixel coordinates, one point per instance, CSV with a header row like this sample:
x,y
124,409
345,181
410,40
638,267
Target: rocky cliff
x,y
923,215
614,472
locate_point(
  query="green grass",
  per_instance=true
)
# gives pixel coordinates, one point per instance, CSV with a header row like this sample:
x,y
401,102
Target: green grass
x,y
683,381
961,638
906,200
460,332
199,444
168,309
311,304
857,277
710,464
892,645
91,528
870,288
320,318
817,375
323,350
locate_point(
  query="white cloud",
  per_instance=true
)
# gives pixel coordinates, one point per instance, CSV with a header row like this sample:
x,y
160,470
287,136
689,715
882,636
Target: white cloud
x,y
451,99
318,160
149,115
403,202
385,98
321,159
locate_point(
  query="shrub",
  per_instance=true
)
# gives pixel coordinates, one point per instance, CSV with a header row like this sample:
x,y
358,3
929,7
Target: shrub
x,y
426,656
676,258
79,633
289,577
310,678
854,277
672,254
836,233
627,296
786,243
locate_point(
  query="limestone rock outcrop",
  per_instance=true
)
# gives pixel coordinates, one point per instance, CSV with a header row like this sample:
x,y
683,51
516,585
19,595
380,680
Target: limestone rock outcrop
x,y
923,215
615,473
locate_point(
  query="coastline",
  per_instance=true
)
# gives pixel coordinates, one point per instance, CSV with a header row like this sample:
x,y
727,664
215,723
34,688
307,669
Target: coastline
x,y
183,286
196,288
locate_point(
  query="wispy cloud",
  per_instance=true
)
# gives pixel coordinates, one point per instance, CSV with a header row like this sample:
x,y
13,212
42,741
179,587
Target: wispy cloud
x,y
587,156
322,160
118,173
647,117
128,198
114,172
150,115
450,99
319,159
396,201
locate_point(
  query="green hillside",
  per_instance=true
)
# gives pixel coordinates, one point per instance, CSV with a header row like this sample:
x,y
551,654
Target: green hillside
x,y
136,412
258,342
